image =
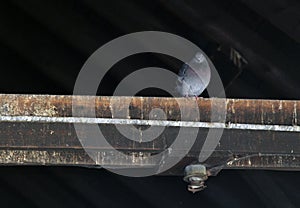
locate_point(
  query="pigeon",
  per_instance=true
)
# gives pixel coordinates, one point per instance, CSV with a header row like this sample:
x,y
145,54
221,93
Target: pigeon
x,y
193,77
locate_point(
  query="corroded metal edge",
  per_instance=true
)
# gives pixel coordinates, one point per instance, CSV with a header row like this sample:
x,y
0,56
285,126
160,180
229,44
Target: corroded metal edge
x,y
44,138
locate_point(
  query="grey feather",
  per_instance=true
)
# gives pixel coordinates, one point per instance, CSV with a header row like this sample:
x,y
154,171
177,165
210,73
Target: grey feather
x,y
194,76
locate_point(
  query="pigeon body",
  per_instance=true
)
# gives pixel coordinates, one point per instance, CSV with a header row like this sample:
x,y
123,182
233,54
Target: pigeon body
x,y
193,77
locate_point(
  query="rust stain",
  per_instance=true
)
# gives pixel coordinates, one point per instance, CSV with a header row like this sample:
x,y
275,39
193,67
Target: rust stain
x,y
44,142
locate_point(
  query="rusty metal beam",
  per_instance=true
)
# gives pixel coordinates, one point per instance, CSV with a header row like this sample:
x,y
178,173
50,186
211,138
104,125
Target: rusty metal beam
x,y
39,130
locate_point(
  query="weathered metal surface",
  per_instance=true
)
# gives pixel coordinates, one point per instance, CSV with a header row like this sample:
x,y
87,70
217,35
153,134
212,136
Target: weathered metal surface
x,y
275,112
38,130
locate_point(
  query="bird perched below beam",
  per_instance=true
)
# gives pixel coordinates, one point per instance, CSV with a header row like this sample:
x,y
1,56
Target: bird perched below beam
x,y
193,76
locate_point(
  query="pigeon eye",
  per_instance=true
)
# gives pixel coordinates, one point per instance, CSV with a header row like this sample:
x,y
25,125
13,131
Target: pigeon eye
x,y
200,57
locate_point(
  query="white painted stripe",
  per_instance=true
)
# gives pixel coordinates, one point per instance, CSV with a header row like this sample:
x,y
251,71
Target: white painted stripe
x,y
86,120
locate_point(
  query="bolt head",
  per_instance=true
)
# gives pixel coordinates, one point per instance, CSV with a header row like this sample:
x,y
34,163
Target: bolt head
x,y
195,175
195,172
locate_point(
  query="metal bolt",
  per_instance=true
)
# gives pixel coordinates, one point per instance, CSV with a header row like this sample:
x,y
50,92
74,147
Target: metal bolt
x,y
195,175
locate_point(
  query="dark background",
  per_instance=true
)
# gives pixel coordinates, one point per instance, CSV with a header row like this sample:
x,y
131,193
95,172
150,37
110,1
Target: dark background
x,y
43,45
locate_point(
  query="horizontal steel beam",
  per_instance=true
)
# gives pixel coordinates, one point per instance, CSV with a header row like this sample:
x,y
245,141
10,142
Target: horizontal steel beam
x,y
39,130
